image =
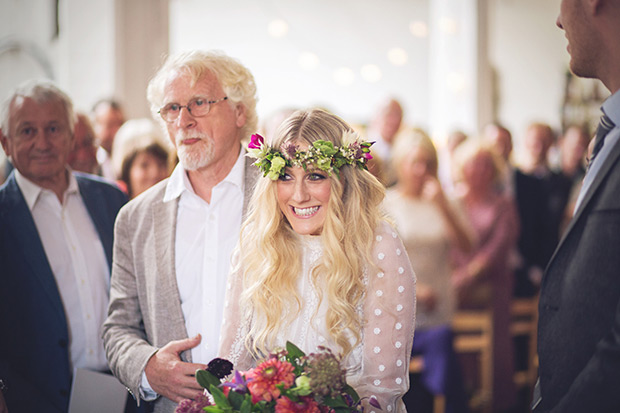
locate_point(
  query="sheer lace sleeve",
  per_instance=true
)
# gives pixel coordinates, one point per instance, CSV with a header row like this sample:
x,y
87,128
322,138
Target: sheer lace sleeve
x,y
389,314
235,325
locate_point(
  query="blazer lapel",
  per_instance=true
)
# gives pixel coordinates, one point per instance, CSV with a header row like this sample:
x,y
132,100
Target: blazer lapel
x,y
92,199
21,224
611,160
164,221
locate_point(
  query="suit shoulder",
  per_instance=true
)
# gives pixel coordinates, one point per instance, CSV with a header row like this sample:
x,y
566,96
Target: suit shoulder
x,y
88,180
148,198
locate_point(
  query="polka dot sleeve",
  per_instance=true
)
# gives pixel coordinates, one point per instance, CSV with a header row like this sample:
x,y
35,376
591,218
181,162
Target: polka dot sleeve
x,y
389,314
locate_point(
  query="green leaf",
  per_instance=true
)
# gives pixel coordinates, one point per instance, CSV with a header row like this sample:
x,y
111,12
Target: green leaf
x,y
206,378
339,402
213,409
246,406
235,399
218,397
293,351
351,392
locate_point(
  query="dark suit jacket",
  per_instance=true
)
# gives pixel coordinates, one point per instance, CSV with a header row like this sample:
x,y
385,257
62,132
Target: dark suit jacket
x,y
34,341
579,324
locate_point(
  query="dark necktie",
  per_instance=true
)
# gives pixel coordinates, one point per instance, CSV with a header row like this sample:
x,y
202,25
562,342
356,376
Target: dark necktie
x,y
604,126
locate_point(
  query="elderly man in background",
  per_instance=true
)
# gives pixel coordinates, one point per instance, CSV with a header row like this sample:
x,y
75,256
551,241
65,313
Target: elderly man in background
x,y
174,242
108,117
56,231
383,129
83,156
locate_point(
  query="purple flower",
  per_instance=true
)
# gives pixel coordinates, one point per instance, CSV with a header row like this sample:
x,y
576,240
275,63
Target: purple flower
x,y
256,141
238,384
374,402
220,368
193,406
290,149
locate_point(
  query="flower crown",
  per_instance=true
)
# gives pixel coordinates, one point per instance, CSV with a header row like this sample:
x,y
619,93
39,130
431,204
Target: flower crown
x,y
322,155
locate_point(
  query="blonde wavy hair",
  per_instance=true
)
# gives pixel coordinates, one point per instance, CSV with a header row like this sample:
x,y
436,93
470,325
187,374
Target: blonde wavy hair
x,y
415,137
270,251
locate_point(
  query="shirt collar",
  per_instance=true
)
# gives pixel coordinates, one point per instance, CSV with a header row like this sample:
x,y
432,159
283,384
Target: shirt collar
x,y
179,182
611,107
32,191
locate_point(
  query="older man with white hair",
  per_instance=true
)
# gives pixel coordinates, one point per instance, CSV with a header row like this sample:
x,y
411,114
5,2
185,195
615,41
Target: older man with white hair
x,y
56,230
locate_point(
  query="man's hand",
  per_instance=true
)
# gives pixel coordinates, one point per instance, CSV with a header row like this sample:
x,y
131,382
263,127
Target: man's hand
x,y
171,377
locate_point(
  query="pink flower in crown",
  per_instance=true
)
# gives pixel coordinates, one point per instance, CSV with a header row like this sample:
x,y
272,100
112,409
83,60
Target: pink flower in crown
x,y
263,379
256,141
305,404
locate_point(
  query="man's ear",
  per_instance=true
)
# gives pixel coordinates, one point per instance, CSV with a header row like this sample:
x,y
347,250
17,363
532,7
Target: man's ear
x,y
4,140
241,116
594,6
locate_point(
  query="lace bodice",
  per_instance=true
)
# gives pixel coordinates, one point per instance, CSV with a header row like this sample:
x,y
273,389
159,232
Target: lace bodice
x,y
379,364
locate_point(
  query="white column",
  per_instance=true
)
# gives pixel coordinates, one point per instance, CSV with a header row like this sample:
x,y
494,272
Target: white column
x,y
142,39
458,67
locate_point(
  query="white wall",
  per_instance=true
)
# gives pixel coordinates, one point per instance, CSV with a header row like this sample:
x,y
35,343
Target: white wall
x,y
529,54
342,34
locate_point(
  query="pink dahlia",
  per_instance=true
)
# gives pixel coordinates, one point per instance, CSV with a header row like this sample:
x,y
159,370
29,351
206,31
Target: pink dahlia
x,y
305,404
266,375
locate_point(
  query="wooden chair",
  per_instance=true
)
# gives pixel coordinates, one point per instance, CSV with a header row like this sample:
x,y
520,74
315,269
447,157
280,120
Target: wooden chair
x,y
524,322
473,334
416,366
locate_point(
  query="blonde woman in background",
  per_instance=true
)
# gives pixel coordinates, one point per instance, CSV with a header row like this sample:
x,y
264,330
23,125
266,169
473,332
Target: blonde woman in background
x,y
141,156
318,265
431,227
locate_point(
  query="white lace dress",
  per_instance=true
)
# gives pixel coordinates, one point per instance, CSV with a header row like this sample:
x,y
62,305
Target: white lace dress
x,y
379,364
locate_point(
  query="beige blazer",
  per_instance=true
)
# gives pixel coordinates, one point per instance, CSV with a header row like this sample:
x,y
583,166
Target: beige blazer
x,y
145,307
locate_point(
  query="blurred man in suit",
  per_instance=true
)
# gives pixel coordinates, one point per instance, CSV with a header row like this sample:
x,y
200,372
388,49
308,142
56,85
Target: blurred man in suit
x,y
579,325
173,243
56,230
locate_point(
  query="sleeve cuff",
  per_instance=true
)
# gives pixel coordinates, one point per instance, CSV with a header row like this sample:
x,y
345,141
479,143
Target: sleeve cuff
x,y
146,392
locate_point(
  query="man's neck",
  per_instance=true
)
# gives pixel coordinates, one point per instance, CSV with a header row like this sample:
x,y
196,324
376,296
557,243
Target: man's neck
x,y
58,184
204,179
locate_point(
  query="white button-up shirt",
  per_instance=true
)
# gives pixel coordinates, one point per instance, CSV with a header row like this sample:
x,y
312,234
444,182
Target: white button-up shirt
x,y
78,262
206,235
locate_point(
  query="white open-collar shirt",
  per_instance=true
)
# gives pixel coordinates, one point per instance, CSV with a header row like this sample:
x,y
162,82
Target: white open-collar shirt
x,y
77,259
206,234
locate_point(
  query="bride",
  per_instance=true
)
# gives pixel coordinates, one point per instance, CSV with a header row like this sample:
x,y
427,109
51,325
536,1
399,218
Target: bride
x,y
317,263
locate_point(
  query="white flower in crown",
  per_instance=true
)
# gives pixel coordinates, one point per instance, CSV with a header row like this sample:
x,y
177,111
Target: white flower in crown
x,y
349,138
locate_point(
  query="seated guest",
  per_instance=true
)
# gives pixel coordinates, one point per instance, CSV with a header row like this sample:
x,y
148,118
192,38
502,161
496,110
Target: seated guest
x,y
83,156
56,230
141,155
317,263
430,226
483,277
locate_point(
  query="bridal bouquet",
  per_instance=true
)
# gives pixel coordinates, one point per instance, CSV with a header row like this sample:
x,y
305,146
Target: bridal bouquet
x,y
287,381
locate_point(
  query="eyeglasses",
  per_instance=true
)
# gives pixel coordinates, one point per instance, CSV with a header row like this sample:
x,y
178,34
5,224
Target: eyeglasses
x,y
197,107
